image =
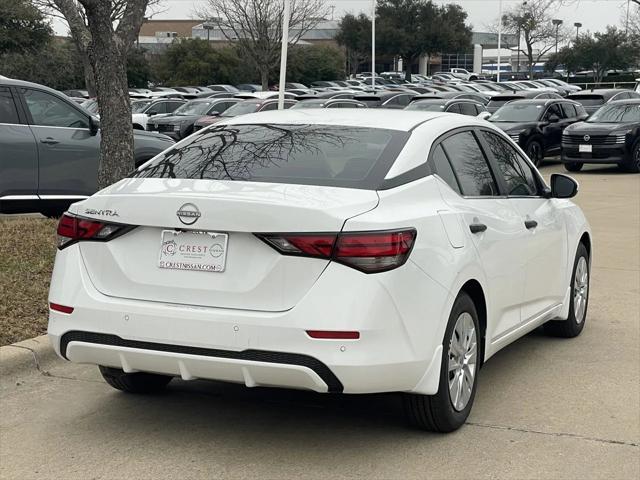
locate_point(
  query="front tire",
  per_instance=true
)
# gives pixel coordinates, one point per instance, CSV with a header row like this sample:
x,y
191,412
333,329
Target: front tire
x,y
448,409
573,166
138,382
574,324
535,152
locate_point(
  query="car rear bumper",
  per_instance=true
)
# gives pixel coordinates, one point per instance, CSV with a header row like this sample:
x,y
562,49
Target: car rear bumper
x,y
395,351
600,154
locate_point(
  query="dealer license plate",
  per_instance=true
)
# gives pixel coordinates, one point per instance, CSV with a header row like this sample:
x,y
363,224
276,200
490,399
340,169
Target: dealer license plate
x,y
585,148
200,251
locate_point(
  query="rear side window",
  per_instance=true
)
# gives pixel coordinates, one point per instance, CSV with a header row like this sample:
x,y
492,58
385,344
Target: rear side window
x,y
329,155
454,108
469,165
467,108
443,168
516,173
8,112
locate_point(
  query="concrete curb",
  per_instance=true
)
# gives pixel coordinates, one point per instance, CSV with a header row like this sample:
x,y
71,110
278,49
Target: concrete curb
x,y
27,355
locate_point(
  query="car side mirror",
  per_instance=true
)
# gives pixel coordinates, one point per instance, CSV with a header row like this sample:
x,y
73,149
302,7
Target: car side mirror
x,y
563,186
483,115
553,118
215,113
94,125
152,113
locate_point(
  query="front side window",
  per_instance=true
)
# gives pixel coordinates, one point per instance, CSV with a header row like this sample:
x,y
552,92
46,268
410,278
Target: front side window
x,y
469,165
569,110
328,155
515,172
8,112
49,110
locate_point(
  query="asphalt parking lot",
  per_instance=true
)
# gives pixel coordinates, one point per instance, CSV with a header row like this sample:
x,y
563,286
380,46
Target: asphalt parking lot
x,y
545,408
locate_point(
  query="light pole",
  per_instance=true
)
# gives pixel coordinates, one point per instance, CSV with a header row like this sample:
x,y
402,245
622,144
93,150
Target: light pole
x,y
577,25
499,38
208,27
373,44
283,53
557,22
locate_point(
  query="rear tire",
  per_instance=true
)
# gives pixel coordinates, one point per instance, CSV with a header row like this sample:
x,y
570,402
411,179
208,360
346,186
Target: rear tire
x,y
437,413
633,164
574,324
573,166
535,152
138,382
53,212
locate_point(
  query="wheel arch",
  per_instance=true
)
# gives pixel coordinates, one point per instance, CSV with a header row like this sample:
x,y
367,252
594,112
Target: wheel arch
x,y
585,239
475,291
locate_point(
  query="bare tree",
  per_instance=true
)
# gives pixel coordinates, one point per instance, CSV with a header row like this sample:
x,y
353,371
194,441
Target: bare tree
x,y
532,21
256,27
72,13
104,31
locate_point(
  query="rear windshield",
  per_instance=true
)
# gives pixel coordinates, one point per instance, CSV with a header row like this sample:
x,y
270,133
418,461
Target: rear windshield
x,y
588,100
329,155
501,101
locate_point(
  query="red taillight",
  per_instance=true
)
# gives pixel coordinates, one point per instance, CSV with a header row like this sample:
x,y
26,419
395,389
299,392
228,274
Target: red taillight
x,y
369,252
60,308
72,229
333,335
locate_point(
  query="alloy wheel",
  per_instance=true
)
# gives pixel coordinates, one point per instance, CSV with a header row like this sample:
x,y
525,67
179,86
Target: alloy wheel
x,y
463,349
580,289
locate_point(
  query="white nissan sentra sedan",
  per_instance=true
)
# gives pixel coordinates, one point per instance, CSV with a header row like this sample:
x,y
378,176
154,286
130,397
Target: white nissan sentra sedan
x,y
341,251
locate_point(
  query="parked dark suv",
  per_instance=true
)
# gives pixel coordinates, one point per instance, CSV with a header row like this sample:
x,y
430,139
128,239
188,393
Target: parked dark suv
x,y
50,149
610,135
592,100
179,124
537,125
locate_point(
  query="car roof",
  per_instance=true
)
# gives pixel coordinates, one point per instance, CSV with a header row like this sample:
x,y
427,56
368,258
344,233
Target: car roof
x,y
626,101
605,92
401,120
10,82
541,101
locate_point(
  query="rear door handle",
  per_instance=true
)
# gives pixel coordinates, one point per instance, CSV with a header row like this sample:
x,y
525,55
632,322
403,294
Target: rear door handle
x,y
49,141
530,224
477,227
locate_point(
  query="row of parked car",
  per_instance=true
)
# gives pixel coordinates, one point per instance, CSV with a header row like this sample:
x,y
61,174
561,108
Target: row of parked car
x,y
535,116
51,142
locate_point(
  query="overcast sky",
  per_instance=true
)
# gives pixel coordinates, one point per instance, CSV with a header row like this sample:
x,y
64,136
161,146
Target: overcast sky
x,y
593,14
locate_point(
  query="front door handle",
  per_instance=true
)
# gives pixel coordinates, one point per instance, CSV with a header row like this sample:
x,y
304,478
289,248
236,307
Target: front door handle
x,y
477,227
49,141
530,224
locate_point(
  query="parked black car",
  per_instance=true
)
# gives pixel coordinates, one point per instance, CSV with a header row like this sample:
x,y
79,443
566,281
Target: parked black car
x,y
499,100
456,105
476,97
329,103
610,135
253,105
592,100
142,110
51,149
537,125
397,100
180,124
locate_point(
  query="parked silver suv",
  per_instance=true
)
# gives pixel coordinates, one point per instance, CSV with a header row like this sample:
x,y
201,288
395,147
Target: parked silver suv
x,y
50,147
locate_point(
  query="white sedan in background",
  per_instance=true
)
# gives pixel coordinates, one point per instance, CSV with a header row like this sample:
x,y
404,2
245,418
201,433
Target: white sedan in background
x,y
344,251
